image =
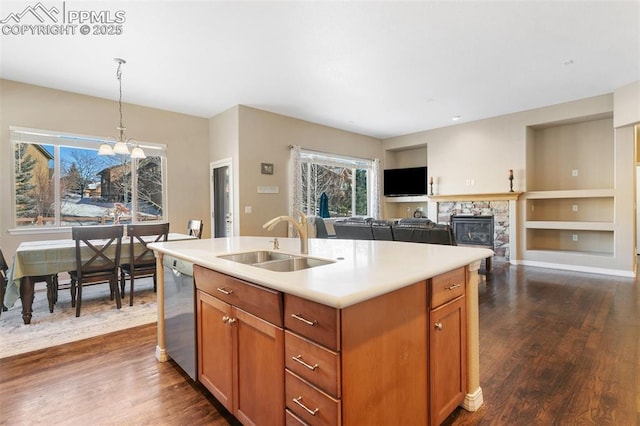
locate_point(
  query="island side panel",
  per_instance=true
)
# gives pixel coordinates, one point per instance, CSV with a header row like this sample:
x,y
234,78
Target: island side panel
x,y
384,359
474,398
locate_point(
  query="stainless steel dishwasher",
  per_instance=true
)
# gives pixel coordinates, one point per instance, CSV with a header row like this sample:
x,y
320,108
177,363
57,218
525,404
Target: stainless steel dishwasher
x,y
179,314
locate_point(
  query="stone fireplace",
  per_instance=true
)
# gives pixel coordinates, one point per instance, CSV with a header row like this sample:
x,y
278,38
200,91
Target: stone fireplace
x,y
473,230
500,206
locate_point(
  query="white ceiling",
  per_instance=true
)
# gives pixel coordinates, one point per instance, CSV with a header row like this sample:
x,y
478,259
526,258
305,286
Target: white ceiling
x,y
377,68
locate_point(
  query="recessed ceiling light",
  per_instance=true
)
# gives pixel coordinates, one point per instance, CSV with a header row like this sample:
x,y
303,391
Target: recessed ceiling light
x,y
456,117
568,62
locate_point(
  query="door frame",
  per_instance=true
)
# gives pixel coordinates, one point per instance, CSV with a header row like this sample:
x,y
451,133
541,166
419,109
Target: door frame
x,y
225,162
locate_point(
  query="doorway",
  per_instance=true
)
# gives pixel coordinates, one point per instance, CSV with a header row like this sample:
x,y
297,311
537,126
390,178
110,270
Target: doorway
x,y
221,199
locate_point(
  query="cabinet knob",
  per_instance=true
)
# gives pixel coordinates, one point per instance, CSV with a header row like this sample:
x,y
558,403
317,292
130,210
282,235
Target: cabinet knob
x,y
228,319
438,326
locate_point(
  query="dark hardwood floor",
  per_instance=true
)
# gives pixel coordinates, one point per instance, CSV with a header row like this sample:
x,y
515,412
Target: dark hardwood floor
x,y
556,348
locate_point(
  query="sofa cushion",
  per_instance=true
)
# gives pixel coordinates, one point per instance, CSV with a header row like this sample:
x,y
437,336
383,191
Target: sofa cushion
x,y
354,228
382,230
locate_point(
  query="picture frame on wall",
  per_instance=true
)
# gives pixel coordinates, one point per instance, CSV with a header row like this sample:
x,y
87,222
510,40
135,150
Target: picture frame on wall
x,y
266,168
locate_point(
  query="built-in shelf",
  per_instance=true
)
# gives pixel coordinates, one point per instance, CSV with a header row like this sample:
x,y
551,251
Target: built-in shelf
x,y
585,226
573,193
585,253
569,212
414,199
497,196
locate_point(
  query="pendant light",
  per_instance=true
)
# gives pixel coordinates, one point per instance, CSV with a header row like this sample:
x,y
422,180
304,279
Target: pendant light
x,y
121,146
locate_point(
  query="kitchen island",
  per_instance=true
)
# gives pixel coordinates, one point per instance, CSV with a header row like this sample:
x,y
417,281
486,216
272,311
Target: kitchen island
x,y
378,298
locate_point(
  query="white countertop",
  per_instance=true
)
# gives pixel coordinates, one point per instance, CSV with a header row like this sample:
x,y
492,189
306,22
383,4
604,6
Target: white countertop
x,y
365,269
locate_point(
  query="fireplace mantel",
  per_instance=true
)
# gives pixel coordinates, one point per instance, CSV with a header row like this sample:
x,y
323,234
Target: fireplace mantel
x,y
498,196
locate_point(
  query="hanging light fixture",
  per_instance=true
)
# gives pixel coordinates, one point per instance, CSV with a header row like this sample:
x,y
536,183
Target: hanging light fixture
x,y
121,145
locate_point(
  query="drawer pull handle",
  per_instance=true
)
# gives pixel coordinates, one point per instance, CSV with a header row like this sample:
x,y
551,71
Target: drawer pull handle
x,y
224,290
312,412
304,320
438,326
454,286
299,359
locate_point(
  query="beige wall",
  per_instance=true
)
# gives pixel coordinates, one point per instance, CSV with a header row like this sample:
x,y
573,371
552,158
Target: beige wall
x,y
25,105
483,151
265,137
627,104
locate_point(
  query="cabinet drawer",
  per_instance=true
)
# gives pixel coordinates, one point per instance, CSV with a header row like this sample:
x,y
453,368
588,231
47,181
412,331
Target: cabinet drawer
x,y
313,320
310,404
312,362
259,301
293,420
448,286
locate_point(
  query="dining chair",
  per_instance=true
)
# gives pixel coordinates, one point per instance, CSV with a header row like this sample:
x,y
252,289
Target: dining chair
x,y
194,227
141,261
97,260
3,280
50,279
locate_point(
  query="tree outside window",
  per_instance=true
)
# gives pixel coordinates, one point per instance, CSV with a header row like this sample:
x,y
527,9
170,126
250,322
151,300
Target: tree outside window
x,y
343,180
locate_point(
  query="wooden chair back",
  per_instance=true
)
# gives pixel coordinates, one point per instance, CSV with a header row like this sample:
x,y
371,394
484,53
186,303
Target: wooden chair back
x,y
4,267
97,260
93,244
194,227
139,236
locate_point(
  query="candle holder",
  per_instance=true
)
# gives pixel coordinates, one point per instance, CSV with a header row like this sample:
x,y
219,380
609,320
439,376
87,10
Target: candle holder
x,y
511,183
431,188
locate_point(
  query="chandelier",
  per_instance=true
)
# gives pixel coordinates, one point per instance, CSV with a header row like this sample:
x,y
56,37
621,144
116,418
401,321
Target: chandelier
x,y
122,142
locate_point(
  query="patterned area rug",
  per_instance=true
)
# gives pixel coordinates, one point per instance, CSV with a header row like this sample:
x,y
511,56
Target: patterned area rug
x,y
99,316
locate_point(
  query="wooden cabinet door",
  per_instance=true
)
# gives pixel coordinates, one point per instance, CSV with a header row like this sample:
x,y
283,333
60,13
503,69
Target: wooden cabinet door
x,y
215,348
259,349
448,359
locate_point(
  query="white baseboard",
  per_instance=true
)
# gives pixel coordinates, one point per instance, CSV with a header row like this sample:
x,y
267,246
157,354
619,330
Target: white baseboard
x,y
575,268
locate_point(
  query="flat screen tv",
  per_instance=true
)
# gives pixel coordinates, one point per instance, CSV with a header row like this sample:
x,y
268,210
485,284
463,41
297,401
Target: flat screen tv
x,y
405,182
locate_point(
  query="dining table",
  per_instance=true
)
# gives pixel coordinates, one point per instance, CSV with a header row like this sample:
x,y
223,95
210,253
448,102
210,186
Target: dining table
x,y
35,259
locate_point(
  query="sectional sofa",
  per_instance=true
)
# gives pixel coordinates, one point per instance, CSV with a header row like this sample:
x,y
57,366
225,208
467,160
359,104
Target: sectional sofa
x,y
415,230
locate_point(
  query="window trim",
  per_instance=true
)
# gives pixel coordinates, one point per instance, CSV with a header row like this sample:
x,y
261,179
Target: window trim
x,y
71,140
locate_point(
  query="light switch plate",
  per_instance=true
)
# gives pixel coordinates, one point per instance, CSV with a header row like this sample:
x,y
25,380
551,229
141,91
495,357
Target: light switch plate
x,y
268,189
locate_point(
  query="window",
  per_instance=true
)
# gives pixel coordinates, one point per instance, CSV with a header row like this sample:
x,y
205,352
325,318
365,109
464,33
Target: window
x,y
347,183
60,180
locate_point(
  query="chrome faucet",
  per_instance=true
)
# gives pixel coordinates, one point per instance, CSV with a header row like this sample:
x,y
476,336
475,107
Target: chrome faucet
x,y
301,227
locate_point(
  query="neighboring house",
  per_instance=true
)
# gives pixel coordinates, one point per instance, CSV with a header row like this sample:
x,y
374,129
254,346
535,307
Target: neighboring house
x,y
111,183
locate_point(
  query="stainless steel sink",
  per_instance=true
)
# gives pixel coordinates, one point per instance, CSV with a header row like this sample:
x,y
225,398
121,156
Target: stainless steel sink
x,y
275,261
252,257
293,264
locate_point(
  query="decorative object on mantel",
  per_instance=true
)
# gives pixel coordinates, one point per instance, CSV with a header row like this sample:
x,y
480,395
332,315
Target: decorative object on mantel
x,y
122,141
510,180
431,185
